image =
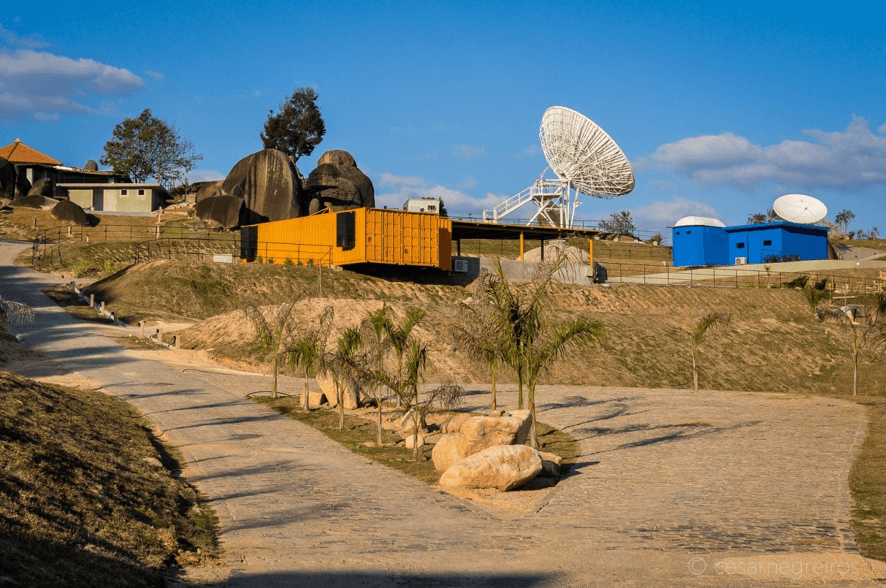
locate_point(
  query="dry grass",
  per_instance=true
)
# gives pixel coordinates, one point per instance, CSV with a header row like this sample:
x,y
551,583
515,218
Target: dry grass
x,y
868,483
86,494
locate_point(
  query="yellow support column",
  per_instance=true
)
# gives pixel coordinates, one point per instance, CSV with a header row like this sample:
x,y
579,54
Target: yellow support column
x,y
590,252
521,245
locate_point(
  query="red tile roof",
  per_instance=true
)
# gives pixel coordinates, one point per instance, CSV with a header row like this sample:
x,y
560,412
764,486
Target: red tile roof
x,y
20,154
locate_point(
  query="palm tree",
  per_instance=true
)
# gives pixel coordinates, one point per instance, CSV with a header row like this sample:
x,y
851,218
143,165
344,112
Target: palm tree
x,y
398,336
481,343
346,366
844,218
519,327
308,349
757,218
377,325
868,334
771,215
274,331
697,333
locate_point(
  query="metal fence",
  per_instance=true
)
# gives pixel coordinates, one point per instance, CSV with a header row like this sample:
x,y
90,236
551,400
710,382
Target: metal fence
x,y
109,232
626,273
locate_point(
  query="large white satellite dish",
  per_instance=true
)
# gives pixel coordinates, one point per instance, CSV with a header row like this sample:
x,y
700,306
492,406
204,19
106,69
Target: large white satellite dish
x,y
799,208
585,160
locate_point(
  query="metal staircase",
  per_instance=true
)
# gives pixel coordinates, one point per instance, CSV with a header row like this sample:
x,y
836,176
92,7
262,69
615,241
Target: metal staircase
x,y
552,197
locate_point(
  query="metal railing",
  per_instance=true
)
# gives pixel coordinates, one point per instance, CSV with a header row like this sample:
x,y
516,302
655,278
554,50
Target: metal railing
x,y
719,277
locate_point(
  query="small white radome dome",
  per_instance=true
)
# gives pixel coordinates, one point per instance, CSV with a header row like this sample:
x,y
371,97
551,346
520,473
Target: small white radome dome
x,y
699,221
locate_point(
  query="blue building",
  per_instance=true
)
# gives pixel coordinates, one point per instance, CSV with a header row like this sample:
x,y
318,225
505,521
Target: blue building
x,y
699,242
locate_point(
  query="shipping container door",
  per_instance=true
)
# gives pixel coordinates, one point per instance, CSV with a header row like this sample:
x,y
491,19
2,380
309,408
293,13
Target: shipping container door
x,y
393,230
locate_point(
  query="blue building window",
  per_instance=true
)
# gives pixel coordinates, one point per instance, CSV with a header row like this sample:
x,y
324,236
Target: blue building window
x,y
767,243
739,245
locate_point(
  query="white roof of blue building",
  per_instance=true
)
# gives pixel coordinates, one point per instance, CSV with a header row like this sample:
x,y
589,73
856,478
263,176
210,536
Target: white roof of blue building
x,y
699,221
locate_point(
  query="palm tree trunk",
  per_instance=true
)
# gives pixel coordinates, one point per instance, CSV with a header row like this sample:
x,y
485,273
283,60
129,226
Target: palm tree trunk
x,y
533,432
493,384
378,401
519,389
855,373
305,397
274,390
694,372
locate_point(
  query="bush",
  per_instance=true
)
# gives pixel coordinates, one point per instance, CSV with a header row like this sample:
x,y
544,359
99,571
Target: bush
x,y
109,266
80,267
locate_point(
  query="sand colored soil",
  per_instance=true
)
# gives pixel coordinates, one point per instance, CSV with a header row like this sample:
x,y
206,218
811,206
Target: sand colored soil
x,y
773,343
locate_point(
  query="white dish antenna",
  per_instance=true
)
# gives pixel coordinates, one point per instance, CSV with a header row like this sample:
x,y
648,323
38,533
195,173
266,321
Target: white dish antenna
x,y
585,160
699,221
799,208
582,154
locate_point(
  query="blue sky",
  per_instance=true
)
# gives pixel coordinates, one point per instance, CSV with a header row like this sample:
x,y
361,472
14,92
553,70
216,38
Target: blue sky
x,y
720,108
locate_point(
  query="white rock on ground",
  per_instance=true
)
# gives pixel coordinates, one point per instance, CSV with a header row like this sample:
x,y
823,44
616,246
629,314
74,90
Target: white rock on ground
x,y
503,467
550,464
479,433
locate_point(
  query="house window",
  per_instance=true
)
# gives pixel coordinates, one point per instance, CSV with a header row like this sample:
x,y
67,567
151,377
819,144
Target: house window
x,y
141,192
739,245
431,207
688,232
767,243
678,232
124,192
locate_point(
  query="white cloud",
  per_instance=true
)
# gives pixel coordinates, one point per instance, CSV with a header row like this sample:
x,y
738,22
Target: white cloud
x,y
32,82
154,75
393,191
529,151
851,160
45,117
12,38
201,175
657,215
467,151
467,183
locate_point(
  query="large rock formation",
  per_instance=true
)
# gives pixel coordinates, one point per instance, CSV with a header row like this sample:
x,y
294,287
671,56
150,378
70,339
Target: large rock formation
x,y
8,175
225,210
479,433
207,189
269,184
337,183
503,467
38,202
22,183
43,187
91,165
68,212
351,393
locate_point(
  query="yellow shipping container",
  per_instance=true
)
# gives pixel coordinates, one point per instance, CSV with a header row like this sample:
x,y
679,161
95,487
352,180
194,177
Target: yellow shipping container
x,y
363,235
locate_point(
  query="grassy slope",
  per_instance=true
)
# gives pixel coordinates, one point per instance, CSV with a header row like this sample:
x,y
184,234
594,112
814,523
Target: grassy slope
x,y
84,500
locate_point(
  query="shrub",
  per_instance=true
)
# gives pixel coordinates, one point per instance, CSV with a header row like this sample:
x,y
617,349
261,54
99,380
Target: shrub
x,y
80,267
109,266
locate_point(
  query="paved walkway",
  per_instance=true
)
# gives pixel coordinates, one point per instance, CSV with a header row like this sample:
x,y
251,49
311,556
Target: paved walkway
x,y
673,487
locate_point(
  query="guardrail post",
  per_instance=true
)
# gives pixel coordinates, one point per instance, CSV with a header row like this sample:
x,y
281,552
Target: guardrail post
x,y
141,329
114,317
159,337
92,300
176,341
103,307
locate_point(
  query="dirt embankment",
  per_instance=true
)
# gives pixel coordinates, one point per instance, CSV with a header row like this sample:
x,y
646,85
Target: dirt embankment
x,y
773,342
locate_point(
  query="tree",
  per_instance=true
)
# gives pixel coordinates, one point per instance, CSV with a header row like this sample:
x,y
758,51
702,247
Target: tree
x,y
844,218
404,382
481,344
297,128
868,334
619,223
529,340
816,293
377,326
697,332
275,331
150,147
347,365
757,218
399,336
307,350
